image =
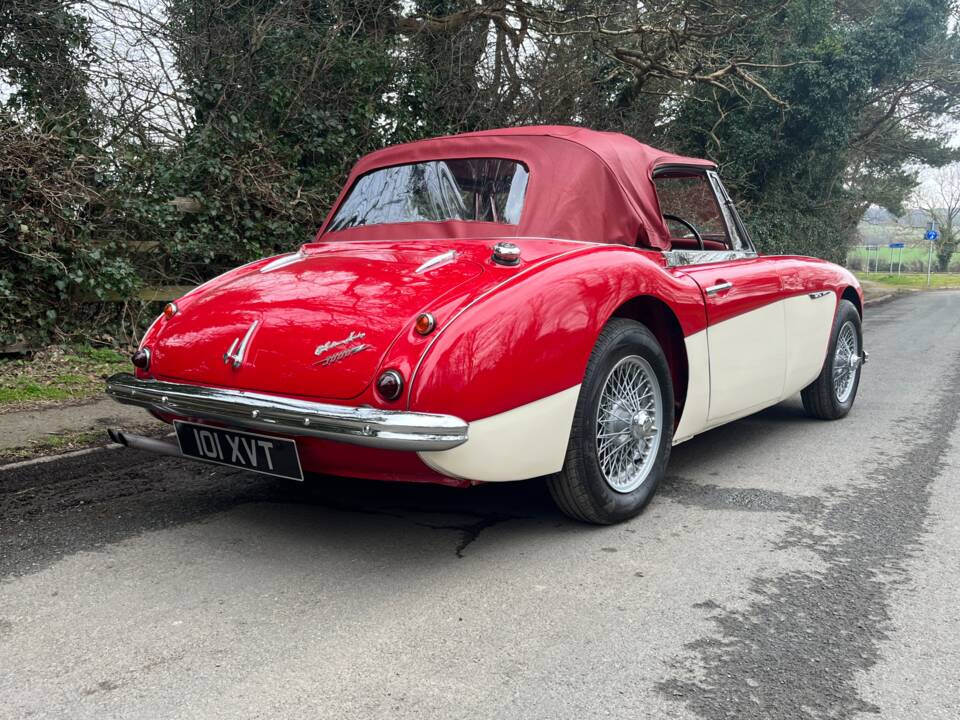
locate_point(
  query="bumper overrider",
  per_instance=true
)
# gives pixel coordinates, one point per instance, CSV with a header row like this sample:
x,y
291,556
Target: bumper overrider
x,y
367,426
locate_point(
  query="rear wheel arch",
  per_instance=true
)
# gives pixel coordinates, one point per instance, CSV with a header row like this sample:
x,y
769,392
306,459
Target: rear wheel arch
x,y
662,321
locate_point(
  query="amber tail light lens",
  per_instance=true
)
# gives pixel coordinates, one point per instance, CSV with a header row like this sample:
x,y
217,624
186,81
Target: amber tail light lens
x,y
390,385
425,324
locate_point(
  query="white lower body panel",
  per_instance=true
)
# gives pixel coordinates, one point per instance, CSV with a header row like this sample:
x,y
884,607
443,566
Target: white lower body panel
x,y
809,321
522,443
747,360
697,404
752,361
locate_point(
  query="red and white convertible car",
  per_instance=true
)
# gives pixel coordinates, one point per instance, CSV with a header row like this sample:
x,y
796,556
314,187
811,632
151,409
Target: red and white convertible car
x,y
496,306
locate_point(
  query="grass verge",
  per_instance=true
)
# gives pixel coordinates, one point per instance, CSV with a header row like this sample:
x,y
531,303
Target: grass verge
x,y
55,375
59,443
912,281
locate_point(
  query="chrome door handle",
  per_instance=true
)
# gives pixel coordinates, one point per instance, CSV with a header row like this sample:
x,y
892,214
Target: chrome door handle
x,y
719,287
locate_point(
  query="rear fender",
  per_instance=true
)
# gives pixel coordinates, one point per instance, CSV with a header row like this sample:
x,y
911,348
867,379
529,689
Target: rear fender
x,y
531,336
512,362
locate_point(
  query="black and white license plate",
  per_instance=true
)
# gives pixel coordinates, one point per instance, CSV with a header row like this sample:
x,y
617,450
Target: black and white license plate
x,y
259,453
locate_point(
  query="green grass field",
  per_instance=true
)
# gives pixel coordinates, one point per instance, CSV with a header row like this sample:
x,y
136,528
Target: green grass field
x,y
912,257
912,281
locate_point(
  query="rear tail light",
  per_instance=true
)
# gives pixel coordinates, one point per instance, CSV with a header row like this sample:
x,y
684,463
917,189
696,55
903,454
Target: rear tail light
x,y
141,358
390,385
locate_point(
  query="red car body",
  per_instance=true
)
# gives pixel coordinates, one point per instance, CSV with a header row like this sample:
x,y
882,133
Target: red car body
x,y
489,392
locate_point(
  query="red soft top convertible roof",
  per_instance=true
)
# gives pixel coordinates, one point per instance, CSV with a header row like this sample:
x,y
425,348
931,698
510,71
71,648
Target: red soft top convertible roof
x,y
584,185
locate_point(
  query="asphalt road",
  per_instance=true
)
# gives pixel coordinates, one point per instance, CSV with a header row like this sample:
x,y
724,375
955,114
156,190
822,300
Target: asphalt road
x,y
788,568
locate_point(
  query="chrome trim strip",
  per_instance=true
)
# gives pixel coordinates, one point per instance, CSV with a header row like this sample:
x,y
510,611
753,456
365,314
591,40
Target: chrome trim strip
x,y
679,258
229,354
371,427
237,357
283,261
436,261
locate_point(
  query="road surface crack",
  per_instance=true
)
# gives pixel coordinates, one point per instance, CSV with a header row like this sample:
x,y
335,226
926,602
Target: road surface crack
x,y
470,531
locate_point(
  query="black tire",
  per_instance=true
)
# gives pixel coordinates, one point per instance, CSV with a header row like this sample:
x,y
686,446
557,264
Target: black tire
x,y
821,398
581,489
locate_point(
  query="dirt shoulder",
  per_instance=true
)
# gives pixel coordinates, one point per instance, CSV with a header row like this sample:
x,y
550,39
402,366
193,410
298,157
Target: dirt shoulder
x,y
875,292
55,430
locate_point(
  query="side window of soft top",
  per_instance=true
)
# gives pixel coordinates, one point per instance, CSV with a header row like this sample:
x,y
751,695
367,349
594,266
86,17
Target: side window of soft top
x,y
691,211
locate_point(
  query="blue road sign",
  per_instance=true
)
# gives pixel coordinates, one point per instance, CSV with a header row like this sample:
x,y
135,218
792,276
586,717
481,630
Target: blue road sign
x,y
932,235
894,246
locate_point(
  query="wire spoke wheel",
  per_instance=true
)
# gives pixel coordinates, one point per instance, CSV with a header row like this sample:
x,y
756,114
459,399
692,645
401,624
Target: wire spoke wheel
x,y
622,428
831,395
846,362
629,418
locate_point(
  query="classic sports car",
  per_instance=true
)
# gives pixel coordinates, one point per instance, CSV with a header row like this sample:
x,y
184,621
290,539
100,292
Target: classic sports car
x,y
502,305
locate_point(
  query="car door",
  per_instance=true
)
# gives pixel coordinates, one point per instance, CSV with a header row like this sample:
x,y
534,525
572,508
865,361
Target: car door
x,y
746,337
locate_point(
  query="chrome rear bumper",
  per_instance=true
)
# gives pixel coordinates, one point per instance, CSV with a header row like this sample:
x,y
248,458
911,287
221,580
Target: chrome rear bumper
x,y
389,429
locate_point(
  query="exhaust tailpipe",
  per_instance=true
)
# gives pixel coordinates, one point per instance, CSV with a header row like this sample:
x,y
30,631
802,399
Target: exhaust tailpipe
x,y
140,442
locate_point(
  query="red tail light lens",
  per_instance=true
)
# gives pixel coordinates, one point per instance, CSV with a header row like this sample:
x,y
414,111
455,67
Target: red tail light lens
x,y
141,358
390,385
